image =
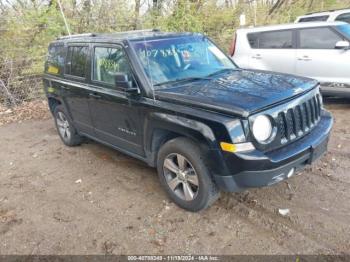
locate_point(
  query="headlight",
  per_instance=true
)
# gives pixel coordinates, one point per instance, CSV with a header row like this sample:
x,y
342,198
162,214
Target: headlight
x,y
262,128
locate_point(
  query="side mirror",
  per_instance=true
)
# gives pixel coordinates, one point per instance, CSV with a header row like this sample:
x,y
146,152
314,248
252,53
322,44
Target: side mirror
x,y
343,45
122,80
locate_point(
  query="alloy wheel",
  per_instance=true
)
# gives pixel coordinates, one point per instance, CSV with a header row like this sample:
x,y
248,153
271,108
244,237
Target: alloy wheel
x,y
63,126
181,177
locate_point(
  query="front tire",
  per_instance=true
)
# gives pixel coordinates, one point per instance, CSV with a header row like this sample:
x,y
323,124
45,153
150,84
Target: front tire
x,y
184,175
65,128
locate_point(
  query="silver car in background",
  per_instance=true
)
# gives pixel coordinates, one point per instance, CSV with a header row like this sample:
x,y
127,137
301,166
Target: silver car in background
x,y
342,15
319,50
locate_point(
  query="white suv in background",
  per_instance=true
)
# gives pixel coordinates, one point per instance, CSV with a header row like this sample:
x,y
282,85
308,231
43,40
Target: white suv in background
x,y
318,50
342,15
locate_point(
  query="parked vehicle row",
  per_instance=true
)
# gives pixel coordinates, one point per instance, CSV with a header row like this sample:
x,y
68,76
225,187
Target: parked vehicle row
x,y
177,102
319,50
342,15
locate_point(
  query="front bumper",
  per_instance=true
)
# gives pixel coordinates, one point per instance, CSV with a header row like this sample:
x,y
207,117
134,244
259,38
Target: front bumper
x,y
258,169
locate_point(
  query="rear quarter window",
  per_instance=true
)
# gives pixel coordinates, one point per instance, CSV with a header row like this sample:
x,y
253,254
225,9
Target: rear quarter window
x,y
253,40
55,59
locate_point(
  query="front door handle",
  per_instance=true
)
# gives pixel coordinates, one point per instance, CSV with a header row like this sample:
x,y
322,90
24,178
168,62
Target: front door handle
x,y
65,87
93,95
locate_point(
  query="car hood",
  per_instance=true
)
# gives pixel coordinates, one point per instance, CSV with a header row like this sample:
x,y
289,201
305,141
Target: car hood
x,y
242,92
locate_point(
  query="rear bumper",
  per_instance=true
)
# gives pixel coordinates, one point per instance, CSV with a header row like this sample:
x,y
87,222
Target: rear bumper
x,y
268,169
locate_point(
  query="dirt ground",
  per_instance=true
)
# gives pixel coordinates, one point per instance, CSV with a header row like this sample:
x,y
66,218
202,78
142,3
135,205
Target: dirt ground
x,y
93,200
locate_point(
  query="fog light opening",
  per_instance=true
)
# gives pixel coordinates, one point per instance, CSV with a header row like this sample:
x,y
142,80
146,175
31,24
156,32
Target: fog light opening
x,y
291,172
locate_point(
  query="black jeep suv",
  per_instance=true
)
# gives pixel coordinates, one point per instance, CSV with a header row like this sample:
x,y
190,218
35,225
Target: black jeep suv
x,y
177,102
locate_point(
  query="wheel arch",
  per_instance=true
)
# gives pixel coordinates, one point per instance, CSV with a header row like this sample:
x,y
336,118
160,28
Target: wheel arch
x,y
160,128
53,102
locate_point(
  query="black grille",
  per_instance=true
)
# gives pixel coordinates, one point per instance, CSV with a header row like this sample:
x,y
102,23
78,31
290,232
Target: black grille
x,y
297,121
281,125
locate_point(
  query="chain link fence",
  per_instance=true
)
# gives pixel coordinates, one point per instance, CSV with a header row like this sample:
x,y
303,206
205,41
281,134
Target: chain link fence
x,y
20,81
20,69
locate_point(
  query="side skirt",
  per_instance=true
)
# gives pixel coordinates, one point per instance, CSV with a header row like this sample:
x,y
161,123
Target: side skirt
x,y
144,159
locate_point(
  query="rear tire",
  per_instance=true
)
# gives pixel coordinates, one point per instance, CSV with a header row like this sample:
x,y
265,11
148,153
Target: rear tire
x,y
184,175
65,128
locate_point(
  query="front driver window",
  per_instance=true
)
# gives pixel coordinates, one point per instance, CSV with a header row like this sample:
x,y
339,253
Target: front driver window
x,y
318,38
109,61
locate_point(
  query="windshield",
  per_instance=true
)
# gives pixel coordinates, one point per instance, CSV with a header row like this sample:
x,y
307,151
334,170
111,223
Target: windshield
x,y
345,29
180,58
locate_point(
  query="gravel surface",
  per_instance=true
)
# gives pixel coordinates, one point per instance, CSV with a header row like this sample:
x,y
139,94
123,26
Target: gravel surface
x,y
93,200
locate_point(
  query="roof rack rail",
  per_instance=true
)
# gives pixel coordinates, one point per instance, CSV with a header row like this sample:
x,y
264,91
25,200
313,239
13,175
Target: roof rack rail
x,y
77,35
143,30
332,10
103,34
138,31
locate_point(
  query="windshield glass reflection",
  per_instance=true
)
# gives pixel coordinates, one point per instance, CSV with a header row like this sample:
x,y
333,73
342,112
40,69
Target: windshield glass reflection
x,y
180,58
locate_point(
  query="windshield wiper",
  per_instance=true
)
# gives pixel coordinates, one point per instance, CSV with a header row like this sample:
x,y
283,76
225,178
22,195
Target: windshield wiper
x,y
178,80
222,71
197,78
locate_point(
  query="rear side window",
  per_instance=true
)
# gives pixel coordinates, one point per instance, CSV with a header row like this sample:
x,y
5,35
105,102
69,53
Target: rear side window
x,y
314,18
76,60
272,40
344,18
55,59
318,38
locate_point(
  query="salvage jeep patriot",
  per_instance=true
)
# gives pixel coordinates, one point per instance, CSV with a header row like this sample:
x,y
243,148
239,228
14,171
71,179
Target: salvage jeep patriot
x,y
177,102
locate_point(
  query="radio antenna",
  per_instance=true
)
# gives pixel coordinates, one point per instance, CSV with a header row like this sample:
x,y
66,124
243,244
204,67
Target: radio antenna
x,y
64,17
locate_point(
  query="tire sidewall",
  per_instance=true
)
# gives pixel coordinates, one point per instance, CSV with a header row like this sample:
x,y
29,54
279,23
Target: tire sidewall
x,y
71,141
192,153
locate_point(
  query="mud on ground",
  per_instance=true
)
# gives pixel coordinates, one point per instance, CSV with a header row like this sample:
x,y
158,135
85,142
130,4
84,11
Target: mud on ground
x,y
93,200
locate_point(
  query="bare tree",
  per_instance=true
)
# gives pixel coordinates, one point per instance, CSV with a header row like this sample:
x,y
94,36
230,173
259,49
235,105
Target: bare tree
x,y
276,6
137,13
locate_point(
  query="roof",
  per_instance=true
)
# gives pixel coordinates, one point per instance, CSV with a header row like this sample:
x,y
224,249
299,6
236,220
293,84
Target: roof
x,y
290,26
120,36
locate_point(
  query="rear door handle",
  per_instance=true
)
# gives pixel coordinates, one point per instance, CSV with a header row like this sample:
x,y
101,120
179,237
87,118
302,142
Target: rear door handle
x,y
65,87
257,56
304,58
93,95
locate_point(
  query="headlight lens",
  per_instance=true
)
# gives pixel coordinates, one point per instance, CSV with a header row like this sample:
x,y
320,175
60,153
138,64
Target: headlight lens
x,y
262,128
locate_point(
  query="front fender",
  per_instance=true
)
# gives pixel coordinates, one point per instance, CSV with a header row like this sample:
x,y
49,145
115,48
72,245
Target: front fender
x,y
196,130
